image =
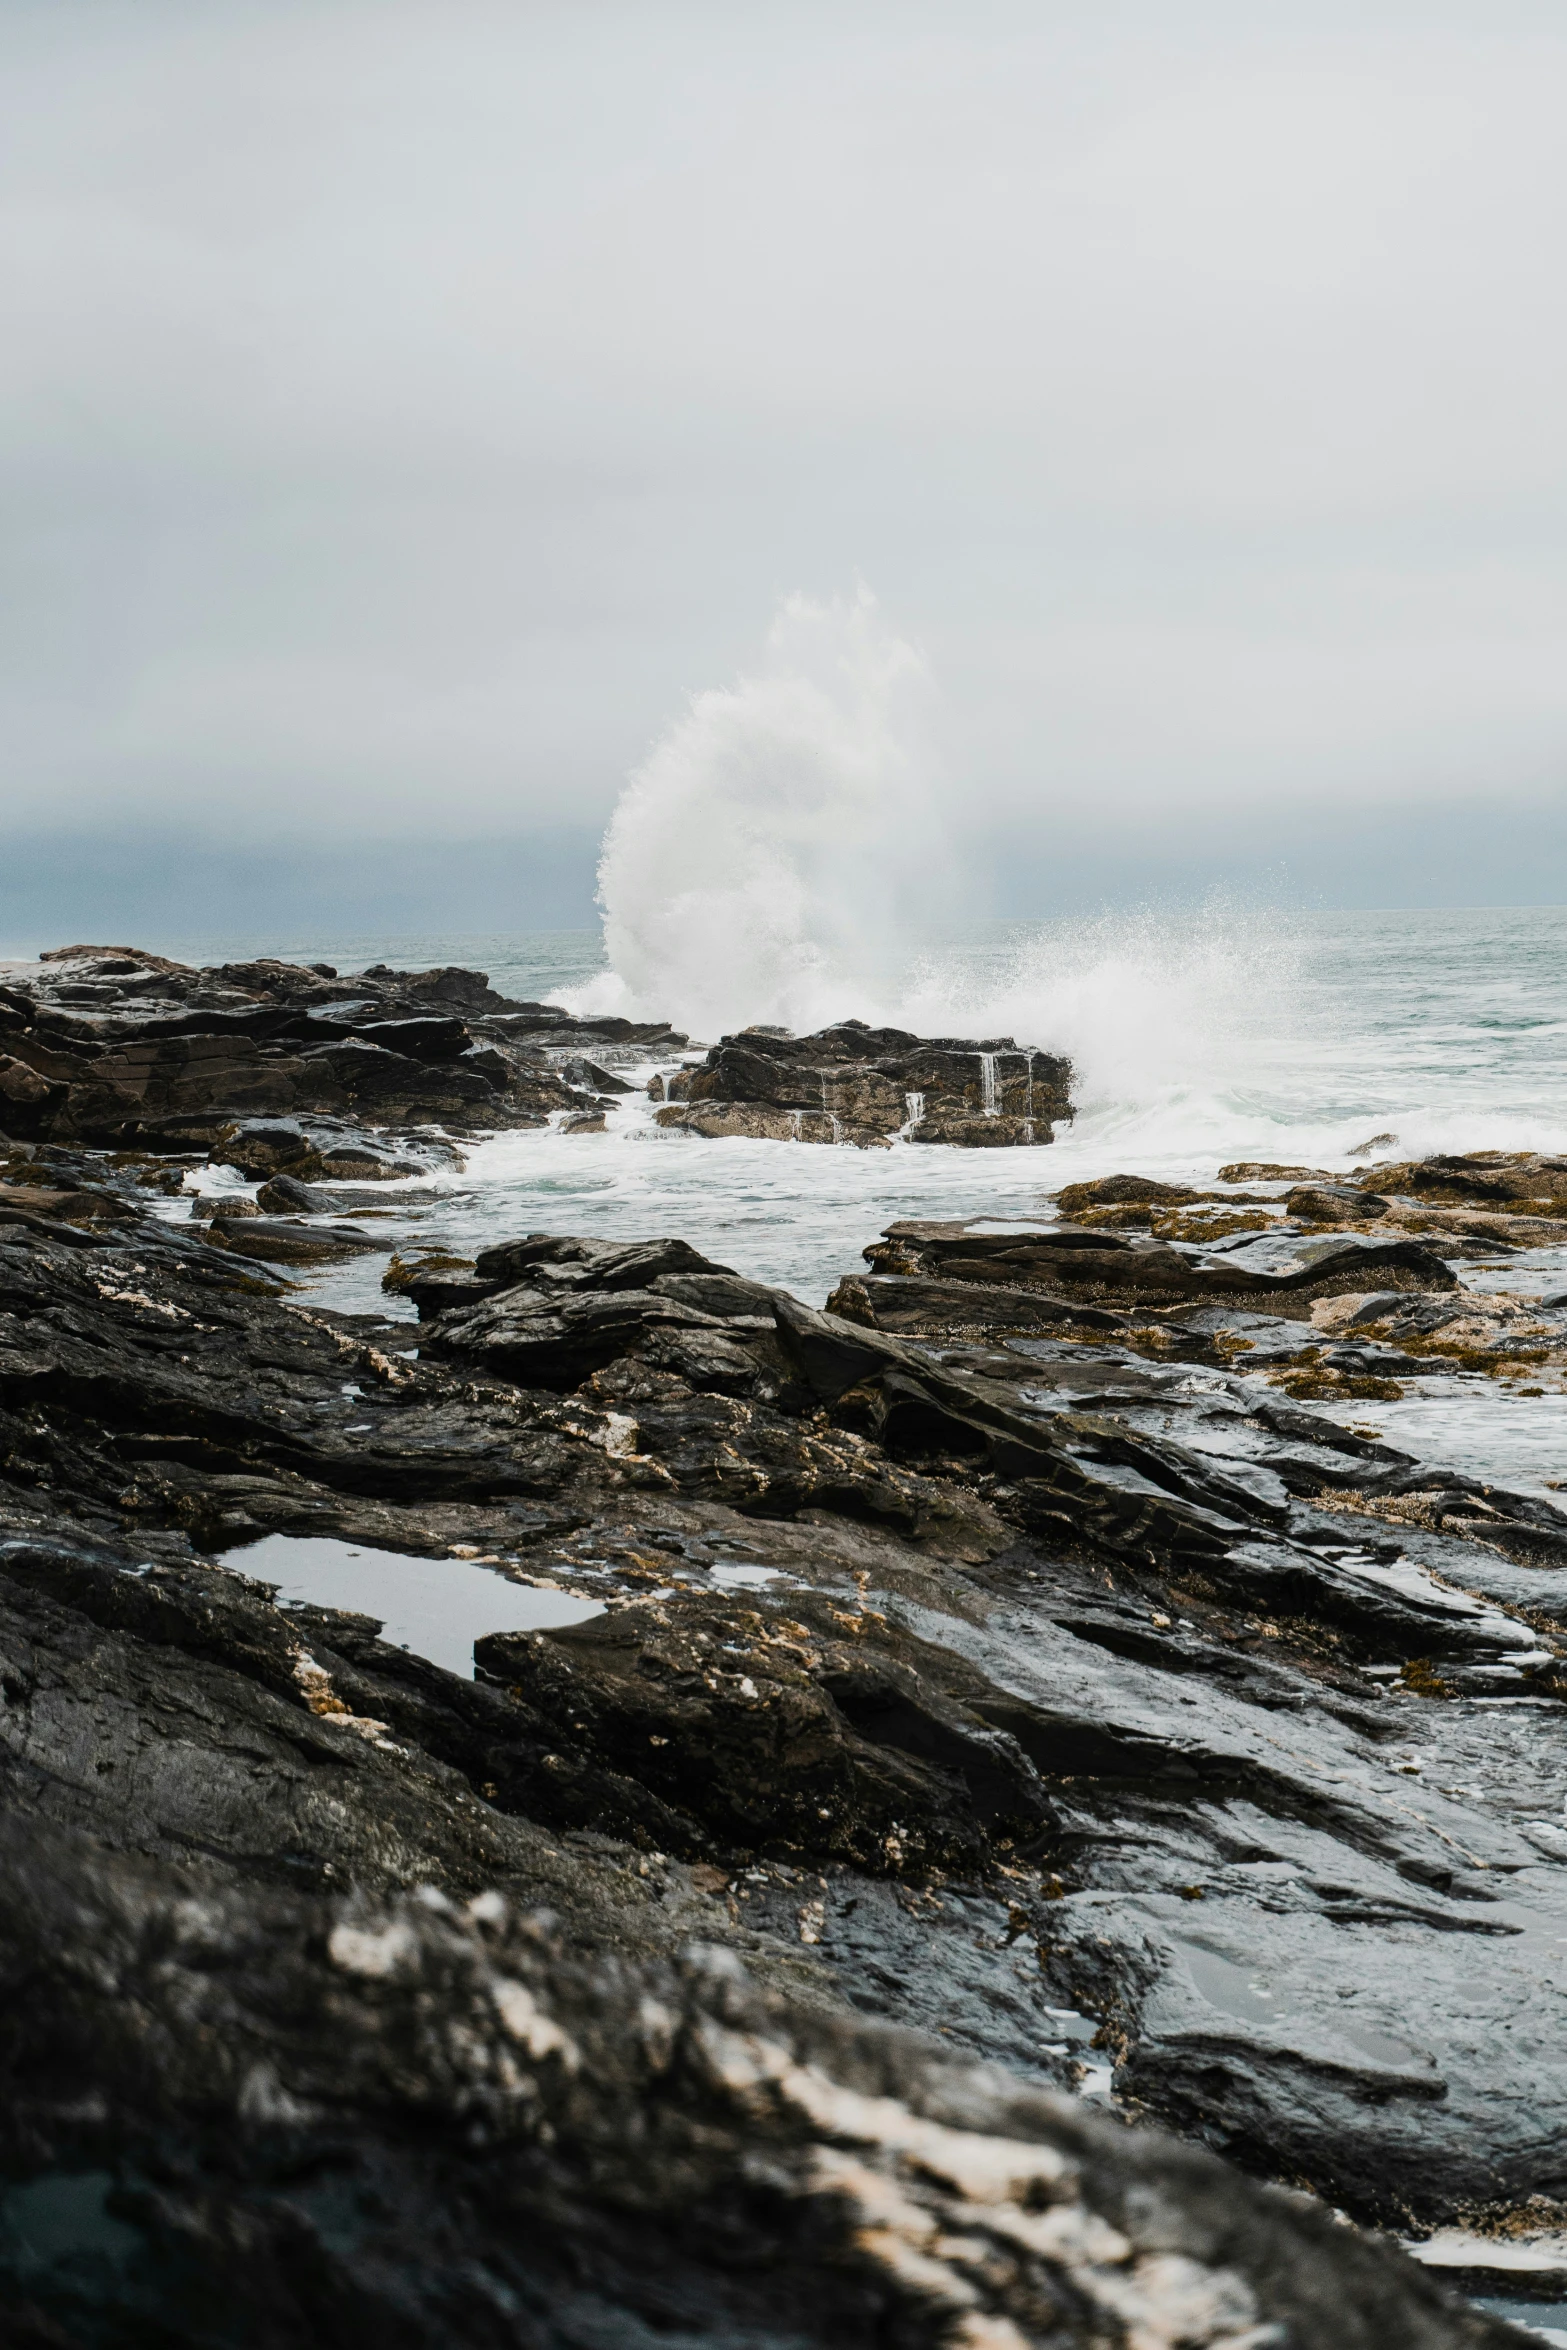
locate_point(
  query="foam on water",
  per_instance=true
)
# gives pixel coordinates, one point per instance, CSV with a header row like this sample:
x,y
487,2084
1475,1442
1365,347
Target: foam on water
x,y
780,857
1200,1040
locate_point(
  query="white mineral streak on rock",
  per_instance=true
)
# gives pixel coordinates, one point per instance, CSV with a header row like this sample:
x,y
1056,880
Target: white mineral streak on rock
x,y
659,2026
933,2201
139,1297
263,2098
328,1707
812,1920
976,2331
316,1684
531,2024
372,1951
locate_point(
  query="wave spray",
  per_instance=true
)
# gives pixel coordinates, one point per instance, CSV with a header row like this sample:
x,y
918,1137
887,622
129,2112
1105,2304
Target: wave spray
x,y
781,839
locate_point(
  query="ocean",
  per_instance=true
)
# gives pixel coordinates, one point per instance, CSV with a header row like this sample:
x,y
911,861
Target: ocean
x,y
1199,1038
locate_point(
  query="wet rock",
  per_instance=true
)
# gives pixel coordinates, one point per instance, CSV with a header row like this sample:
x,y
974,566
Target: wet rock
x,y
854,1083
1517,1178
1334,1203
279,1240
1123,1191
104,1047
514,2135
1077,1261
1150,1700
794,1729
590,1078
435,1280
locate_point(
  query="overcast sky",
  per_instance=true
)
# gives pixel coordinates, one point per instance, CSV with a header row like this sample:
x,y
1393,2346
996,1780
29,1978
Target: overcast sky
x,y
405,408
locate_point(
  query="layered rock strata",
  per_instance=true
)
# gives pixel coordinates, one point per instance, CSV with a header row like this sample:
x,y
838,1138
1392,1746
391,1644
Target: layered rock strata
x,y
108,1045
1354,1289
857,1084
1017,1689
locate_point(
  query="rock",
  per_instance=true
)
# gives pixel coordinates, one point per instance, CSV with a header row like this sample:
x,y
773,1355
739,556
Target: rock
x,y
259,1151
854,1083
1075,1261
121,1048
285,1195
282,1241
363,1162
591,1078
562,1261
1523,1178
435,1280
830,1743
1122,1191
594,2146
1024,1688
893,1302
1334,1203
1267,1171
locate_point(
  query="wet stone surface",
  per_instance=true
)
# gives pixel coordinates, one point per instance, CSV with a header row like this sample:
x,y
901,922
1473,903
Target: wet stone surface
x,y
995,1693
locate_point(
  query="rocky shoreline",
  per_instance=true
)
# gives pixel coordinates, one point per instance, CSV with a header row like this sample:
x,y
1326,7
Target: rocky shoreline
x,y
109,1045
1001,1710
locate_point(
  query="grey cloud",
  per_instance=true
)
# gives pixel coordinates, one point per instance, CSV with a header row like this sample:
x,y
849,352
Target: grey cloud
x,y
404,408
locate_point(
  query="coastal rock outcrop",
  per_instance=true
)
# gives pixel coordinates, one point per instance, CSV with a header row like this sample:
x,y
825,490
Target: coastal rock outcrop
x,y
963,1724
108,1045
858,1084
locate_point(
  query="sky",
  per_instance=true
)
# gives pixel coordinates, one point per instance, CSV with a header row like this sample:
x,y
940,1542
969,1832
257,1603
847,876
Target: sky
x,y
405,410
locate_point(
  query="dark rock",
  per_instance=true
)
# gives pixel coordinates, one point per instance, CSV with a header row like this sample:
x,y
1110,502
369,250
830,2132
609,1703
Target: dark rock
x,y
1073,1261
258,1151
830,1742
591,1078
285,1195
1025,1686
109,1048
854,1083
442,2123
563,1262
282,1241
1123,1191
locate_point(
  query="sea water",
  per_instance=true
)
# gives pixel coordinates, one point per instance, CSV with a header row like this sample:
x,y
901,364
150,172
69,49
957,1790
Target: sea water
x,y
1198,1039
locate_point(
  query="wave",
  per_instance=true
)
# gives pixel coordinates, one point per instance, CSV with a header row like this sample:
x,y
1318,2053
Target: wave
x,y
791,834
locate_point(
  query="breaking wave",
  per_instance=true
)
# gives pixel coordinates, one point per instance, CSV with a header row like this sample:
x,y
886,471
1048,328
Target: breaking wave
x,y
790,852
781,837
784,843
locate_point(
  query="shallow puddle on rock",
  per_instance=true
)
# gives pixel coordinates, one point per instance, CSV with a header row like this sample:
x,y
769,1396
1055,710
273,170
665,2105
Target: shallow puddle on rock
x,y
436,1607
1229,1987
